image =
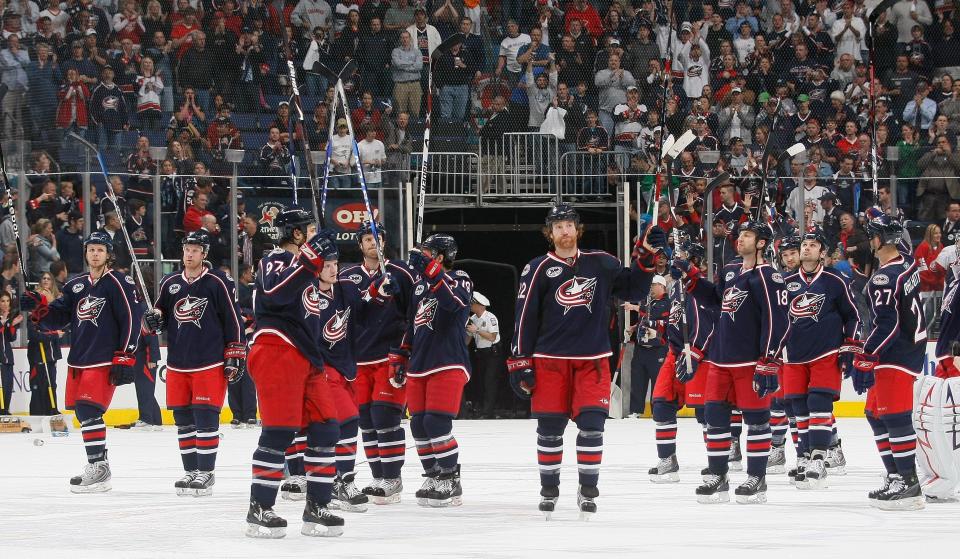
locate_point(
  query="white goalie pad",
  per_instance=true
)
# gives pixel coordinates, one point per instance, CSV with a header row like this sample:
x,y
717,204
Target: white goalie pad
x,y
936,418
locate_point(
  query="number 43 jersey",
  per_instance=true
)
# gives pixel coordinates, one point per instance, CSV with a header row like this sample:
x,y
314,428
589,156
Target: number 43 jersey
x,y
899,336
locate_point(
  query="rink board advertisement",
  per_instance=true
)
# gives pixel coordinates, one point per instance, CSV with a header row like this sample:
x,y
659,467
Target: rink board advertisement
x,y
125,397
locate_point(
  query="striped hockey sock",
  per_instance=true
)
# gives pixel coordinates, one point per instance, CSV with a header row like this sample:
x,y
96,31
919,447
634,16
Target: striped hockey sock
x,y
882,438
446,451
208,441
294,454
736,424
187,437
779,424
903,444
549,457
424,446
94,438
371,448
820,430
589,456
666,439
392,448
268,467
319,460
346,449
758,448
718,448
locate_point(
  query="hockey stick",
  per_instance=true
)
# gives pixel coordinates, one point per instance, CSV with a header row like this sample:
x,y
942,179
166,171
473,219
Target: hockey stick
x,y
666,141
134,263
658,189
331,76
871,96
299,128
716,182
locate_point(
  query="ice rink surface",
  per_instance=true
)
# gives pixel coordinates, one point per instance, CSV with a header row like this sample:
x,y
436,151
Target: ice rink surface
x,y
142,517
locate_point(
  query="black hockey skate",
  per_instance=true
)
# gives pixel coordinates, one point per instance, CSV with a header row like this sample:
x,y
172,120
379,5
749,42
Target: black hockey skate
x,y
319,521
95,478
202,484
835,460
777,462
548,500
903,494
372,486
585,501
715,489
429,484
735,460
182,485
262,522
447,491
294,488
386,491
346,496
815,472
875,494
752,491
666,471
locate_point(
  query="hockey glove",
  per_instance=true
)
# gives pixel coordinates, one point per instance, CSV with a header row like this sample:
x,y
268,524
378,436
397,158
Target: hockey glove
x,y
765,376
680,369
863,375
234,361
152,321
319,248
679,269
850,349
381,287
398,358
522,378
657,238
429,268
31,300
122,369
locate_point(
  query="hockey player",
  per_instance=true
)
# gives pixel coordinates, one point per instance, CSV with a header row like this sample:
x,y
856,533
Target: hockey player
x,y
433,361
822,315
752,302
287,369
678,386
381,404
789,252
560,346
887,362
103,312
206,348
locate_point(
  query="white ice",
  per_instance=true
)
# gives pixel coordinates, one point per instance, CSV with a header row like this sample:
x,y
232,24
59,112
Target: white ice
x,y
142,517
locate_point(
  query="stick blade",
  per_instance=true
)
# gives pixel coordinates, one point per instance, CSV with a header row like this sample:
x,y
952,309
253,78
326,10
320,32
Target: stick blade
x,y
796,149
449,43
721,179
322,70
681,144
666,145
348,70
878,9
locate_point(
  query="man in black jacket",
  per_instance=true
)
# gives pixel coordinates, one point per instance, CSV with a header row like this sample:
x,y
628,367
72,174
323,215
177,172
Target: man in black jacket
x,y
376,46
455,68
491,134
253,242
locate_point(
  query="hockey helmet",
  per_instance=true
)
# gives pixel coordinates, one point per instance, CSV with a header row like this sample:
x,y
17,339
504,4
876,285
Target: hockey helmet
x,y
99,238
441,243
788,243
562,212
199,238
693,249
762,230
887,228
816,234
367,228
290,219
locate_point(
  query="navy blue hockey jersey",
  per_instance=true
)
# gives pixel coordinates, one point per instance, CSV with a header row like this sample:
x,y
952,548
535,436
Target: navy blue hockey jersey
x,y
701,321
287,303
949,320
200,318
104,317
899,335
753,313
561,308
385,323
821,315
342,313
436,325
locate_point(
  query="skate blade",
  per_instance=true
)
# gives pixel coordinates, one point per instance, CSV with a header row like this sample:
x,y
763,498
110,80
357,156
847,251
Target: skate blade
x,y
758,499
585,515
291,496
391,500
423,501
913,503
719,497
443,503
313,529
184,492
932,499
813,484
547,515
101,487
838,471
735,466
347,507
778,469
672,477
202,492
263,532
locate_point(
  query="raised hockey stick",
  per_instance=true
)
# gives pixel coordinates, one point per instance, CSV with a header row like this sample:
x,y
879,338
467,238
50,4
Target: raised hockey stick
x,y
716,182
666,140
301,131
658,188
331,76
872,97
134,263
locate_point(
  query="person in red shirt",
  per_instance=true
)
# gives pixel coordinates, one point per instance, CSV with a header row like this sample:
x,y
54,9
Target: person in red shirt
x,y
367,115
193,219
585,12
931,277
184,31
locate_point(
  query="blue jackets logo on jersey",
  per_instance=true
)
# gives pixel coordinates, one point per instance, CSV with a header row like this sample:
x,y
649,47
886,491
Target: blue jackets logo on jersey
x,y
576,292
807,305
676,310
336,328
311,301
190,309
732,299
426,310
90,308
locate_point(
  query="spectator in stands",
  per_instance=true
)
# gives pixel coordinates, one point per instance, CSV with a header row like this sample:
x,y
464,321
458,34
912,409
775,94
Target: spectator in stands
x,y
45,203
373,9
906,14
367,115
108,109
192,219
253,242
535,52
121,207
572,64
374,65
196,70
508,67
456,68
373,156
345,47
8,331
311,13
931,277
159,51
737,118
939,169
341,157
584,12
42,245
39,172
149,86
574,119
70,243
318,53
593,139
155,20
44,79
921,110
218,249
399,145
140,231
141,167
612,84
398,16
498,123
185,32
274,159
848,32
10,275
14,61
7,237
473,43
629,118
807,196
406,62
111,226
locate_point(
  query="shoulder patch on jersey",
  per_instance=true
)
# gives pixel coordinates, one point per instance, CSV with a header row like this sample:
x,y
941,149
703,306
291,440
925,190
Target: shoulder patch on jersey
x,y
729,276
776,277
526,270
420,289
129,279
355,278
554,271
174,288
880,279
77,287
793,286
461,273
323,303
